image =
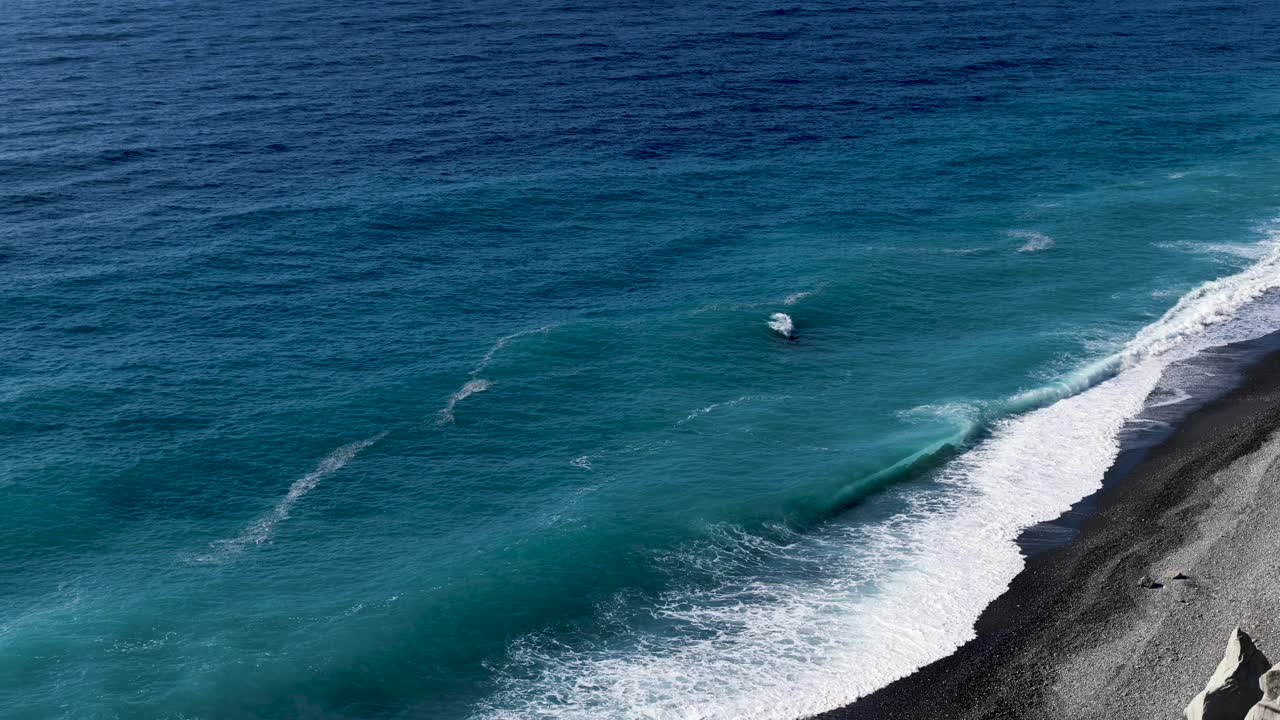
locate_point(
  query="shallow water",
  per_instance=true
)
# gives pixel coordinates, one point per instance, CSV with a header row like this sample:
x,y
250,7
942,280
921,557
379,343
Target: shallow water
x,y
390,359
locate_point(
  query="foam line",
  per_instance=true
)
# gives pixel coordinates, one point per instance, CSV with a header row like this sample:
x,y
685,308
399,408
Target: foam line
x,y
503,341
892,596
262,530
478,384
468,389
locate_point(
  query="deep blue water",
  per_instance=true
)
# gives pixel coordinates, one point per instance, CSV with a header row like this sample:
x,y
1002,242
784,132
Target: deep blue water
x,y
397,359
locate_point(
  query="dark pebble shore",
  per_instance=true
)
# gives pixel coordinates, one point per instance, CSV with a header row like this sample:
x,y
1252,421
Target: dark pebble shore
x,y
1076,636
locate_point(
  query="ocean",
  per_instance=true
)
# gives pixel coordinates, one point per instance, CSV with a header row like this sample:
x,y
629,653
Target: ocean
x,y
651,360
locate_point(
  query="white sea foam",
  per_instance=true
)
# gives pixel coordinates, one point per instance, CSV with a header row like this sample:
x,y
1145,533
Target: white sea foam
x,y
781,324
894,595
1179,396
1032,241
469,388
262,530
478,384
796,297
699,412
503,341
709,408
1247,251
1208,305
962,415
879,599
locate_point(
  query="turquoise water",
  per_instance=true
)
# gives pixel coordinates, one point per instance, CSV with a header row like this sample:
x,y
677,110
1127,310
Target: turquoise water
x,y
405,360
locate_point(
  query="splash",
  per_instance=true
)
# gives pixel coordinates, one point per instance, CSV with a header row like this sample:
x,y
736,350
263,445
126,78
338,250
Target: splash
x,y
781,324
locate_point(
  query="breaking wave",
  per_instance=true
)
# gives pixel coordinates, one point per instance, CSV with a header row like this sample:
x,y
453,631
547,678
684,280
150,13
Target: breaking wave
x,y
786,625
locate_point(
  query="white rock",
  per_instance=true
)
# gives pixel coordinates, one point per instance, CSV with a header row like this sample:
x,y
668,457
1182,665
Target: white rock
x,y
1269,707
1234,687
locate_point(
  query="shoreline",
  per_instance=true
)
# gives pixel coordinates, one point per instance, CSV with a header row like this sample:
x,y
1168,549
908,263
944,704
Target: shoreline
x,y
1066,636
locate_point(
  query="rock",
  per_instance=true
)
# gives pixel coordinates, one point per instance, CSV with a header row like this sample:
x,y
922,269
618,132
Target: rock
x,y
1269,707
1177,575
1235,686
1146,582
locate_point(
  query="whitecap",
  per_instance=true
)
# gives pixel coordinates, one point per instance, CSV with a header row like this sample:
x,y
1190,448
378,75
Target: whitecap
x,y
781,323
1033,241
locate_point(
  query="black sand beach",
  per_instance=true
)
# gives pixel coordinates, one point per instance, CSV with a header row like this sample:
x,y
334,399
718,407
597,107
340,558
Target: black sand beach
x,y
1076,636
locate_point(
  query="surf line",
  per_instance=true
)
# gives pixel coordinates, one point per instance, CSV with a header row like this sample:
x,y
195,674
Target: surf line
x,y
478,384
